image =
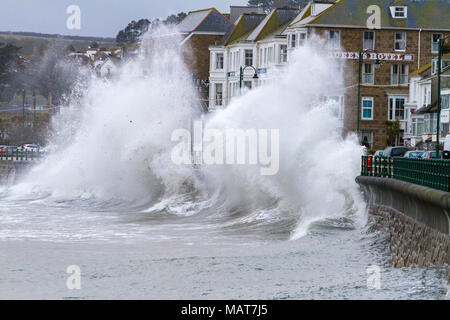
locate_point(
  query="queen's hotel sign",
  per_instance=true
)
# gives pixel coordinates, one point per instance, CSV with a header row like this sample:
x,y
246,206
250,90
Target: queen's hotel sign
x,y
373,56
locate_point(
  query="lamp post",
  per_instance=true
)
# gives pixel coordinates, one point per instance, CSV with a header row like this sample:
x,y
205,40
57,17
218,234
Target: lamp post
x,y
34,118
241,75
360,61
438,120
23,117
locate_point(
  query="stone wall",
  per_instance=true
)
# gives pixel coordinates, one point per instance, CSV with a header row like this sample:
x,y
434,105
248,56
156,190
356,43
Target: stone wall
x,y
411,242
415,217
10,171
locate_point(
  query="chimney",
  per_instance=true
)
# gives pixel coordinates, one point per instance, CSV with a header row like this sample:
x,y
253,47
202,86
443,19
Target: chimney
x,y
237,11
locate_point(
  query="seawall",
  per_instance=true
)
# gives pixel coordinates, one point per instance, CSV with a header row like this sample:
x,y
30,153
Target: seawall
x,y
416,218
11,170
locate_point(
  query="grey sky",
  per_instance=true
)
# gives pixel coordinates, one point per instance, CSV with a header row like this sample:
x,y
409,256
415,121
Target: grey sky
x,y
98,17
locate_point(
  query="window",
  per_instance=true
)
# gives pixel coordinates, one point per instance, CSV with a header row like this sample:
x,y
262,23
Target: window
x,y
335,39
430,121
293,41
400,41
394,74
219,61
248,84
368,73
367,139
396,108
445,101
417,127
404,68
336,104
270,55
400,12
435,42
302,39
399,74
248,57
283,54
219,94
369,40
260,56
367,108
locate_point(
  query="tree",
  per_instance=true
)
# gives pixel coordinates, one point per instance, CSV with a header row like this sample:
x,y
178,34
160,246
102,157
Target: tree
x,y
136,29
94,45
174,19
271,4
393,132
10,66
133,32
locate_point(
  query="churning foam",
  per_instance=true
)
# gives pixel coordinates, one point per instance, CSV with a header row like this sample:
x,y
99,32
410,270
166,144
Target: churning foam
x,y
116,143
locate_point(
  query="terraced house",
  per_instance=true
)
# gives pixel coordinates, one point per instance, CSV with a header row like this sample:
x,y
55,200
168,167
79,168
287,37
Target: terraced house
x,y
401,35
256,44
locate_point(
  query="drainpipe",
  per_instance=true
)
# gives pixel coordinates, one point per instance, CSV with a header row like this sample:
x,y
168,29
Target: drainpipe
x,y
418,53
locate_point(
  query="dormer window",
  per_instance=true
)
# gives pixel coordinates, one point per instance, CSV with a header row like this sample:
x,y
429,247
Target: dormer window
x,y
399,12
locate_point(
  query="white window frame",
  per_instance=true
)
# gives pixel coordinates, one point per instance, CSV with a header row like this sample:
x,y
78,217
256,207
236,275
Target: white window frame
x,y
293,40
402,12
403,72
302,37
372,67
364,133
363,108
218,98
364,40
404,38
432,42
217,60
283,54
394,107
245,57
332,42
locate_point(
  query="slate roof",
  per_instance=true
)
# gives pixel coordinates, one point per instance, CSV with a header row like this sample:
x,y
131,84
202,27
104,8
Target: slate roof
x,y
423,14
275,20
243,26
206,20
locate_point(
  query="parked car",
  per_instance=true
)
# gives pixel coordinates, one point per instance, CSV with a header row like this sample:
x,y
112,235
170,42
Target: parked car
x,y
30,147
378,153
7,149
415,154
395,151
431,155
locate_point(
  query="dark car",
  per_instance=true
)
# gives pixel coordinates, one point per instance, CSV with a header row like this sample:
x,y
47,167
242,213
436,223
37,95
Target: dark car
x,y
395,151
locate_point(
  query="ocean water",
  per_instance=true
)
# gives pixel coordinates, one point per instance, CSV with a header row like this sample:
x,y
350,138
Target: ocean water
x,y
110,200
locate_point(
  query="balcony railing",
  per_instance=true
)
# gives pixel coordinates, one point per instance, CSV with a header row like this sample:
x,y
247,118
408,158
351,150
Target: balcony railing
x,y
432,173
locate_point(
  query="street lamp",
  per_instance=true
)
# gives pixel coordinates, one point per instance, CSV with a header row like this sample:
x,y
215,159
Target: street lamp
x,y
377,65
241,75
438,120
23,116
34,117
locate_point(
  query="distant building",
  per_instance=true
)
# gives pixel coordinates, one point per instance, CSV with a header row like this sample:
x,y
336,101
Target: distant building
x,y
422,105
405,41
257,44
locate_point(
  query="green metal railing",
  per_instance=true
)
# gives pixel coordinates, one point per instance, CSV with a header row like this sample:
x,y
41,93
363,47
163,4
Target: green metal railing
x,y
432,173
19,155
